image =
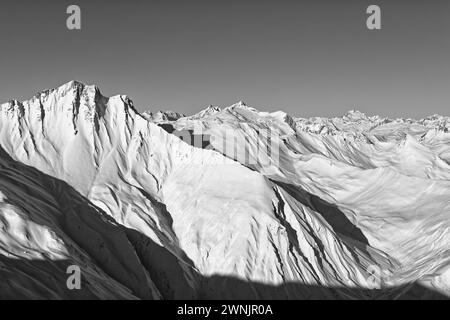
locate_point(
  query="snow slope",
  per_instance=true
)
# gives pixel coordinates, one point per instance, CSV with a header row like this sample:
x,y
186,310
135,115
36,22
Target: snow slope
x,y
208,206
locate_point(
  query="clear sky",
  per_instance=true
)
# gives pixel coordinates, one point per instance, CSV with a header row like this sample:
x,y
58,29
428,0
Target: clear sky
x,y
307,58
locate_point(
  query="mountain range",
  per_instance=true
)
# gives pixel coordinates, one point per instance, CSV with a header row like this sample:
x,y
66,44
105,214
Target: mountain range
x,y
229,203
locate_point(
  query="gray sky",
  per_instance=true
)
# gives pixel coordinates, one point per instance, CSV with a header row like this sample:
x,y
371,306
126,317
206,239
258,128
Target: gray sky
x,y
304,57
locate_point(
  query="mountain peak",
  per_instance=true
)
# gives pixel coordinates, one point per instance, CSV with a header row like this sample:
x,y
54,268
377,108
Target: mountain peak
x,y
162,115
210,110
239,104
72,104
72,86
355,115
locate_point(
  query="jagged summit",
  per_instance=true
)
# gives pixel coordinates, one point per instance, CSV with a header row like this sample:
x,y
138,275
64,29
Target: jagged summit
x,y
69,86
355,114
76,85
71,107
240,105
162,116
210,110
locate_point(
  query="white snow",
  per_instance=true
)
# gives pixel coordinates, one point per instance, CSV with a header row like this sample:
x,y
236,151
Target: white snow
x,y
151,216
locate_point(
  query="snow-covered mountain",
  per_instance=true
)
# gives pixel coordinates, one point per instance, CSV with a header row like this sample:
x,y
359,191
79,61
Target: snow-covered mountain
x,y
228,203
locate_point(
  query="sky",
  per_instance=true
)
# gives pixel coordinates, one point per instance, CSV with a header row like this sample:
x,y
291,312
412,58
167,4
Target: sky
x,y
307,58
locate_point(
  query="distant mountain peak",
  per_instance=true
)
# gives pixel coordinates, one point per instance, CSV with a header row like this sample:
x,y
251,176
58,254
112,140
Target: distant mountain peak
x,y
162,115
355,114
239,104
210,110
